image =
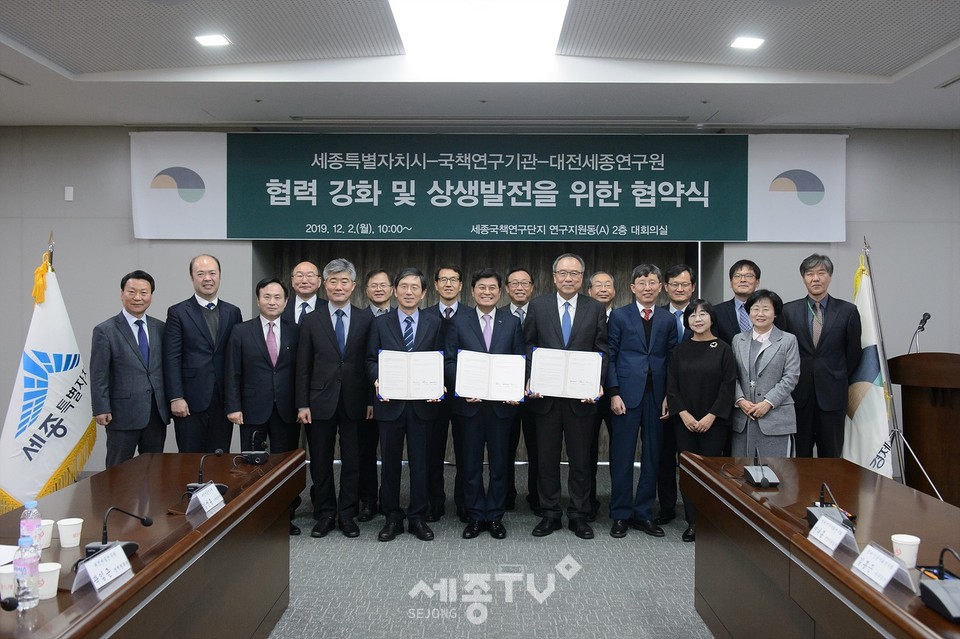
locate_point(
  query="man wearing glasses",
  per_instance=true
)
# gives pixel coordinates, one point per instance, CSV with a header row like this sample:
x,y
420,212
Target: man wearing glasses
x,y
681,282
732,317
305,281
448,282
520,285
567,320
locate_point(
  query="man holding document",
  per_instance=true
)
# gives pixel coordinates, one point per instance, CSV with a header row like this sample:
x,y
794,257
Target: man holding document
x,y
402,347
484,365
570,331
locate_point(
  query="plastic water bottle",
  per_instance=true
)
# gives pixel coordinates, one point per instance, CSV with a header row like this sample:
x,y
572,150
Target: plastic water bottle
x,y
30,522
26,570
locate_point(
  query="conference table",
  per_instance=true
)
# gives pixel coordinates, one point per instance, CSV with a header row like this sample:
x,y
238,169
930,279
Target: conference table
x,y
222,575
757,574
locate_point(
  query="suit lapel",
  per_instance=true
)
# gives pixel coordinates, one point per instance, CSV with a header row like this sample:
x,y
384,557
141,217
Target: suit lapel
x,y
326,327
260,338
829,315
638,325
196,314
128,337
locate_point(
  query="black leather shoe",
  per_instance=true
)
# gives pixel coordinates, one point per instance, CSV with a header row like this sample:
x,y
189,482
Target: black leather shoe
x,y
367,511
647,526
462,514
435,514
473,529
497,530
294,529
390,530
546,526
619,528
665,517
324,526
581,528
421,530
349,527
689,534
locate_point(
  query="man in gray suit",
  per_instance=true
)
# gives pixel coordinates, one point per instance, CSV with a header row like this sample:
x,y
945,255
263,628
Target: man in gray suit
x,y
126,374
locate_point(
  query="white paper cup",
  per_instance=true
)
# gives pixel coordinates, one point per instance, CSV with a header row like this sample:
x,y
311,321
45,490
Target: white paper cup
x,y
46,532
69,530
49,578
905,549
8,583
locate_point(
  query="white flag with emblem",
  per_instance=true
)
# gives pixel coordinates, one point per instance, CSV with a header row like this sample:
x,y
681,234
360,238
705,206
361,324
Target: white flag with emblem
x,y
49,431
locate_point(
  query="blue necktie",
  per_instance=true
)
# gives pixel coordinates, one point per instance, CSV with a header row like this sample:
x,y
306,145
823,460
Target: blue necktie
x,y
304,309
142,342
408,333
340,331
565,324
743,318
679,315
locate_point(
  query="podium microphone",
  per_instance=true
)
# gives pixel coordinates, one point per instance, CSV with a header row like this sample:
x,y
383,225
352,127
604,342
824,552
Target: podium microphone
x,y
129,547
923,322
194,487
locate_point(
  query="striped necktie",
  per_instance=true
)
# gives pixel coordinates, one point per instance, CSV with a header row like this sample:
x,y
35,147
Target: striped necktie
x,y
408,333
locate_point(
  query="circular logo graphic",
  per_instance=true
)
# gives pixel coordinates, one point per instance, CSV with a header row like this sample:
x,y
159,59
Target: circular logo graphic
x,y
188,183
806,185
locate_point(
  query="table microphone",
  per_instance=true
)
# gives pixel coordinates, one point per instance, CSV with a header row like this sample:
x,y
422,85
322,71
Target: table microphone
x,y
194,487
256,457
832,510
129,547
760,474
9,603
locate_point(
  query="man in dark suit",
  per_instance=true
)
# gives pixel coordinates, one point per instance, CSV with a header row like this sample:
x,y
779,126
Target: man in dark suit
x,y
379,290
259,378
404,329
732,317
565,320
126,374
194,353
448,281
681,283
828,336
602,288
305,281
641,338
332,396
520,287
486,424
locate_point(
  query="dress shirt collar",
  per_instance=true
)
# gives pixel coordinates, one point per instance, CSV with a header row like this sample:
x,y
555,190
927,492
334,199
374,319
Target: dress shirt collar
x,y
132,318
572,301
202,302
514,308
640,307
443,309
761,337
333,311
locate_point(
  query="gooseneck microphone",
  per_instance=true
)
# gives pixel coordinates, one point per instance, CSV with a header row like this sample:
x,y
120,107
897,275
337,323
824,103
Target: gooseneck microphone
x,y
760,474
923,322
194,487
916,334
129,547
829,509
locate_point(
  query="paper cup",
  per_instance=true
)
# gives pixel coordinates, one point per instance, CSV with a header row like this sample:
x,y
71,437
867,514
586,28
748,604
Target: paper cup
x,y
49,579
69,530
905,549
46,532
8,583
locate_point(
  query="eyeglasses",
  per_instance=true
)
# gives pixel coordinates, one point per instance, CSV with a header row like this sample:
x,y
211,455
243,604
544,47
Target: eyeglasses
x,y
304,276
519,283
414,288
747,277
566,274
448,280
602,285
646,283
378,287
679,285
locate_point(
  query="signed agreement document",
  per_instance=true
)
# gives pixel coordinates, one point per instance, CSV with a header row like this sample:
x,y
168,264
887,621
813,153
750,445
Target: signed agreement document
x,y
558,373
417,375
492,377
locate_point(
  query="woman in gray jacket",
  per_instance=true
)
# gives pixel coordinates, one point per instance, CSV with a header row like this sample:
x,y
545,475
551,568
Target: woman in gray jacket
x,y
768,367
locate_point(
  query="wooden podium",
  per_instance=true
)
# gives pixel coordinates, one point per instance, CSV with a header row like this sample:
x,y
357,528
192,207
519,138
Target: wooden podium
x,y
931,398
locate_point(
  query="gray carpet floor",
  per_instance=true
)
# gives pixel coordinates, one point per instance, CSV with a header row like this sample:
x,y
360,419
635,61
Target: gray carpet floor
x,y
556,586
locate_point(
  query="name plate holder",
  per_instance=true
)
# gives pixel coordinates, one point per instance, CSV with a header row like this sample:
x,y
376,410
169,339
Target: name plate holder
x,y
881,569
101,569
206,500
829,535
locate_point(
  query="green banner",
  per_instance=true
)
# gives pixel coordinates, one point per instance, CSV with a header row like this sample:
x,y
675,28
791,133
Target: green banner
x,y
487,187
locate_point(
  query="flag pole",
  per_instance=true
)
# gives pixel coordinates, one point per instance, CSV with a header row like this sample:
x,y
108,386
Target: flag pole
x,y
896,432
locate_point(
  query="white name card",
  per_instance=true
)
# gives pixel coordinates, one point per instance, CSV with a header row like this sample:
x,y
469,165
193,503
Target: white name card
x,y
207,499
829,534
875,566
102,568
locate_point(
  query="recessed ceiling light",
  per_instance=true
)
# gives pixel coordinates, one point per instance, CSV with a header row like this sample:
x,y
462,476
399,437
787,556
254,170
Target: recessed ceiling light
x,y
213,40
744,42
